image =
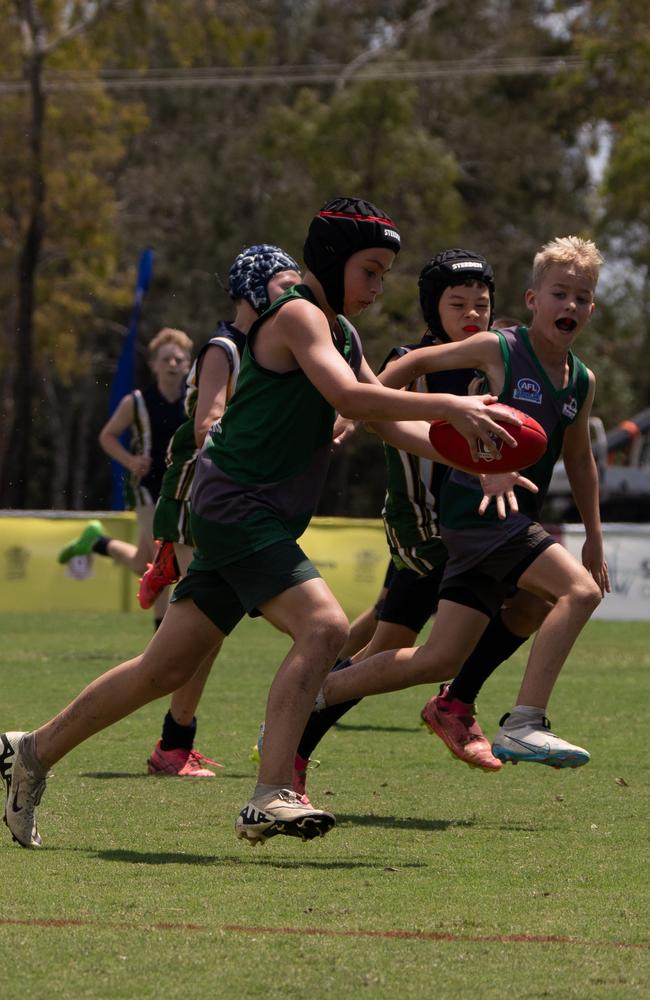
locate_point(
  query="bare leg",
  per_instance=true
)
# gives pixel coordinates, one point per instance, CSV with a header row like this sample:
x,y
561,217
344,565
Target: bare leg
x,y
557,576
524,612
455,632
182,642
183,555
160,605
387,635
134,557
311,615
362,630
185,700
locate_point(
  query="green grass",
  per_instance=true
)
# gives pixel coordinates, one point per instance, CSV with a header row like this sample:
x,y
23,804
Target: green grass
x,y
437,881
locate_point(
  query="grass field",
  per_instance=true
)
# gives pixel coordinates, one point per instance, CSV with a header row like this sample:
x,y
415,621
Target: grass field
x,y
438,881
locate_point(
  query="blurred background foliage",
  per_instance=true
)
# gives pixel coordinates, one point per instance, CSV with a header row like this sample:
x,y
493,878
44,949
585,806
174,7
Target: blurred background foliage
x,y
200,126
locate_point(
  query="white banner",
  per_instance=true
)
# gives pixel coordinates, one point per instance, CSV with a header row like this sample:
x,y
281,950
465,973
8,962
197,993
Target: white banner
x,y
627,550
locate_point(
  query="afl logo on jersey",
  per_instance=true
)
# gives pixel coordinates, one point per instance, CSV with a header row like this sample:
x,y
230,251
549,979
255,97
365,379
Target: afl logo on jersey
x,y
528,389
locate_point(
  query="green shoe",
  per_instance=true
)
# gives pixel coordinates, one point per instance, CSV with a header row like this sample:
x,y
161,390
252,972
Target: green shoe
x,y
83,545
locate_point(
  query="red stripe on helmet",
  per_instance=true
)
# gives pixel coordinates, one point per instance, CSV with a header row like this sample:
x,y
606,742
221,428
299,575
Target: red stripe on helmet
x,y
357,218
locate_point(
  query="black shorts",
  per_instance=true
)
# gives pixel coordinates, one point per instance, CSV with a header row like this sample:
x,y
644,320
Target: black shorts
x,y
486,585
412,598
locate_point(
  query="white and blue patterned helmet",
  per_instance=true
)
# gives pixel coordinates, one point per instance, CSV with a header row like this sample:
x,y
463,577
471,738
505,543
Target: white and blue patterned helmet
x,y
252,270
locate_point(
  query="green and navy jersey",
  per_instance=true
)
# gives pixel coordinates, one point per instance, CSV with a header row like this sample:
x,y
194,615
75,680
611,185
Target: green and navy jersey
x,y
182,451
469,535
261,473
412,500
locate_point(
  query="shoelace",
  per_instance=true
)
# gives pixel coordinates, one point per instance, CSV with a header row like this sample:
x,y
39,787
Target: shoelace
x,y
198,758
289,796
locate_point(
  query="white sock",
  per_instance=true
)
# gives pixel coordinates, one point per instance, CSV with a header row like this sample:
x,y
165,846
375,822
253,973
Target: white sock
x,y
262,789
320,703
28,752
524,713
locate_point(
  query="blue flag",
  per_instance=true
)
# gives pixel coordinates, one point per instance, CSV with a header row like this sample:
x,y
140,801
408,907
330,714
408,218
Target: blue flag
x,y
123,382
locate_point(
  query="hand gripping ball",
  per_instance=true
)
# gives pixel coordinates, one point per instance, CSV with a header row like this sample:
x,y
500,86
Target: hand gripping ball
x,y
530,437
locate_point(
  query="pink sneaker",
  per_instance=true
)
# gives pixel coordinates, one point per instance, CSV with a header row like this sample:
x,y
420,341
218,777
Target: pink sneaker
x,y
181,762
161,573
300,766
453,721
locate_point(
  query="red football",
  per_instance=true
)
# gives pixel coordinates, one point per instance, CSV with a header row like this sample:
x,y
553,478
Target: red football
x,y
530,437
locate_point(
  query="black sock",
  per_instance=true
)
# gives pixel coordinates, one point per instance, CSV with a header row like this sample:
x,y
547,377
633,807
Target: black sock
x,y
496,644
101,545
321,722
175,736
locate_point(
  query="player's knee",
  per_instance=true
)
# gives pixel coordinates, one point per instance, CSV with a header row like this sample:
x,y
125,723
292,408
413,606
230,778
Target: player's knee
x,y
330,629
165,676
586,594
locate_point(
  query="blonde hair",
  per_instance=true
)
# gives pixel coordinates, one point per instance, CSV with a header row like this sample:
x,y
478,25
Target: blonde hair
x,y
584,254
170,336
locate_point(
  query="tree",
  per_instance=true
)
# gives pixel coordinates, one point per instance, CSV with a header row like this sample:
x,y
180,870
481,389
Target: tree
x,y
157,130
608,96
58,218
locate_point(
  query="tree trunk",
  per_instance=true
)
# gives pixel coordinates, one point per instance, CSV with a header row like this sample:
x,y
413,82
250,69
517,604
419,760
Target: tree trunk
x,y
16,475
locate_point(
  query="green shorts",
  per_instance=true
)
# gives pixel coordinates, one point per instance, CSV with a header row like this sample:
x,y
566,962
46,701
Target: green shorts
x,y
171,521
227,594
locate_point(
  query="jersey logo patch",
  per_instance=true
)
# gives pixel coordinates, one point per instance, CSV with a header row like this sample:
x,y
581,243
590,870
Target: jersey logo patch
x,y
528,389
570,408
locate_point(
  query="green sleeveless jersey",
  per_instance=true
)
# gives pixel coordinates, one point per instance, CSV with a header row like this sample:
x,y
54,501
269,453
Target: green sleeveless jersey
x,y
261,474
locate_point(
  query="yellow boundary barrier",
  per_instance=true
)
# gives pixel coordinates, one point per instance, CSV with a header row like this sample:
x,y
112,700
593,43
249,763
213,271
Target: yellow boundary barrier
x,y
350,554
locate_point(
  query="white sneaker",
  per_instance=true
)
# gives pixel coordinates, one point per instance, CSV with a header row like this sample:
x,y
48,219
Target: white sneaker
x,y
533,741
281,812
24,791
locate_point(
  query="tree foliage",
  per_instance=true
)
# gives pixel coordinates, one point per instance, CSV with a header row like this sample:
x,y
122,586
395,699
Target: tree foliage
x,y
197,128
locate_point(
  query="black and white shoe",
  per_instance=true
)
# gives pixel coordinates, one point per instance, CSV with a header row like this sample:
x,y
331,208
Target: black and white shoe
x,y
281,812
24,791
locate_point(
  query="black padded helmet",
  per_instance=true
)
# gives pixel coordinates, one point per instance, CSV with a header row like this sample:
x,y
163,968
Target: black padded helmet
x,y
448,268
341,228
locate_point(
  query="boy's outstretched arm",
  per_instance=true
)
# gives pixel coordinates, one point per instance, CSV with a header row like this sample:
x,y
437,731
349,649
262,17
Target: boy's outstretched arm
x,y
582,474
413,436
468,414
481,350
